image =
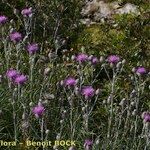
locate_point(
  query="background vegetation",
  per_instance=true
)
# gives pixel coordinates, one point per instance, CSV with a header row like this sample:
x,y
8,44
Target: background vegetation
x,y
55,27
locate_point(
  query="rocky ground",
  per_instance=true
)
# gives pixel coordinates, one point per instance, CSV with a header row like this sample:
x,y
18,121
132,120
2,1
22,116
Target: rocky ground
x,y
97,10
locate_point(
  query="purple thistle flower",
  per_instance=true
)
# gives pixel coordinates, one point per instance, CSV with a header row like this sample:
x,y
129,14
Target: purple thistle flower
x,y
12,73
70,81
146,116
38,110
32,48
27,12
3,19
15,37
20,79
94,60
141,70
88,91
88,144
81,57
113,59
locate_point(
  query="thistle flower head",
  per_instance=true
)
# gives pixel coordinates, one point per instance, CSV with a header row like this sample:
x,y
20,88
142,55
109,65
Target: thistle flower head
x,y
38,110
94,60
113,59
88,91
72,148
81,57
20,79
88,144
70,81
146,116
11,73
141,70
32,48
27,12
3,19
15,37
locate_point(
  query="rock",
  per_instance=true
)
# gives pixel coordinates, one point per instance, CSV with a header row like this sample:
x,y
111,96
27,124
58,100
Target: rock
x,y
128,8
97,10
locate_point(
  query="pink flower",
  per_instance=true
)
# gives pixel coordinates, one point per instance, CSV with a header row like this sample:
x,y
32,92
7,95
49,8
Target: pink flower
x,y
20,79
88,144
15,37
113,59
146,116
70,81
141,70
32,48
81,57
88,91
94,60
27,12
3,19
38,110
12,73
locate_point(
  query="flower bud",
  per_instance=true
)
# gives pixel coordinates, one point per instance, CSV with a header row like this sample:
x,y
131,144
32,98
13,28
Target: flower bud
x,y
123,61
67,58
132,78
61,121
23,116
104,101
118,65
12,30
83,109
111,65
77,91
86,106
58,136
73,57
78,67
90,57
46,71
72,148
11,21
0,78
133,93
97,91
64,111
16,12
61,82
47,131
132,103
133,70
31,104
109,100
55,147
134,112
15,90
69,98
97,142
123,102
101,59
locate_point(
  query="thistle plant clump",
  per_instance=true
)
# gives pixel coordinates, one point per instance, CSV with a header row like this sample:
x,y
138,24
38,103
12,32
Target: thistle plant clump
x,y
49,100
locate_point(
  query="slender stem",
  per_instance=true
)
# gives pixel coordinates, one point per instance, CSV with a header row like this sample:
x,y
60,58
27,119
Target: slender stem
x,y
42,129
31,61
137,107
111,106
14,115
71,118
87,117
